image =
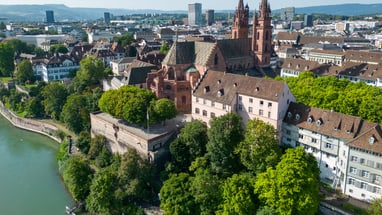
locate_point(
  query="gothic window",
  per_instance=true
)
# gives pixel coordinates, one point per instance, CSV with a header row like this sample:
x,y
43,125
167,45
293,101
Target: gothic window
x,y
184,100
216,60
266,35
258,35
170,74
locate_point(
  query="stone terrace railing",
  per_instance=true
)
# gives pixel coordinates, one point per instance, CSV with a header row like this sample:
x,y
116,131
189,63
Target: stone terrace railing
x,y
29,124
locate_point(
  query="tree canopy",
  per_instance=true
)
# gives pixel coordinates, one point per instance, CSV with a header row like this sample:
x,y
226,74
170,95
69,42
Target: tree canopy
x,y
25,72
224,136
6,59
292,188
75,113
54,95
357,99
91,71
260,148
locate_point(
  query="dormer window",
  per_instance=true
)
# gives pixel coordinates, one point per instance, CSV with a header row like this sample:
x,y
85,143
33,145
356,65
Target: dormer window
x,y
371,140
206,89
289,115
221,92
297,117
310,119
319,122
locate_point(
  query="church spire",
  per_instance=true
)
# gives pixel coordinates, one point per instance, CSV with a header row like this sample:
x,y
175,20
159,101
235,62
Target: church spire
x,y
240,21
240,5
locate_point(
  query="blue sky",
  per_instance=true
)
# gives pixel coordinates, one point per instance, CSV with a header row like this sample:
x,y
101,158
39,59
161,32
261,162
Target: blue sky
x,y
182,4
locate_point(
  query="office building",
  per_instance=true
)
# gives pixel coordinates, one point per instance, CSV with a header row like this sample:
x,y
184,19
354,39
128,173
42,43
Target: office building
x,y
49,16
308,20
195,14
287,13
106,17
210,17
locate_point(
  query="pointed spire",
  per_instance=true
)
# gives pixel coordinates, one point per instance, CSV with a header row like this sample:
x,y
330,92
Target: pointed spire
x,y
240,5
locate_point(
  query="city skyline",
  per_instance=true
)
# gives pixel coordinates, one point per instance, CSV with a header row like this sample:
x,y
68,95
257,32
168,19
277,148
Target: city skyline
x,y
182,4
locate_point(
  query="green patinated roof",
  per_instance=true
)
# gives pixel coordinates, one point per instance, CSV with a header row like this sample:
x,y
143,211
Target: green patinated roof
x,y
191,69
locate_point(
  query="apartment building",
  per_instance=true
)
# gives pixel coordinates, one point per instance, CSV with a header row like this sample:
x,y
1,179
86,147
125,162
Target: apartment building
x,y
346,147
218,93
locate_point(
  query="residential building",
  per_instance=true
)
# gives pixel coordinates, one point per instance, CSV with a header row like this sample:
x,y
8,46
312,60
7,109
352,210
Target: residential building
x,y
56,68
218,93
347,148
120,65
195,14
326,57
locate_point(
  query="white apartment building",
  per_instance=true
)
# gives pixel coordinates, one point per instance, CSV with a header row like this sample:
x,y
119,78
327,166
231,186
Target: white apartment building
x,y
348,149
219,93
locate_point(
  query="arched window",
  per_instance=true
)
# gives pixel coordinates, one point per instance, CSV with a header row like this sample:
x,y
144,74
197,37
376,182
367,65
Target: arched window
x,y
266,35
170,74
258,35
216,59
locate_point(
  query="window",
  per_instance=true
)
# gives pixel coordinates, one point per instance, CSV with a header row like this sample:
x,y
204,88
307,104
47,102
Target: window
x,y
204,113
363,185
251,100
351,181
240,107
204,101
353,170
184,100
354,158
269,104
261,112
329,146
196,99
212,115
365,174
377,190
212,104
287,132
261,102
314,140
197,111
301,136
250,109
240,98
224,107
269,114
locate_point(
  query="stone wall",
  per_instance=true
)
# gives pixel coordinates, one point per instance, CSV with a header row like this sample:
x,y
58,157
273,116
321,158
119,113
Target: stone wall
x,y
29,124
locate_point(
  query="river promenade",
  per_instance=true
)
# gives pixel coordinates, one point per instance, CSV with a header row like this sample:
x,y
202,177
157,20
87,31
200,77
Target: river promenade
x,y
30,124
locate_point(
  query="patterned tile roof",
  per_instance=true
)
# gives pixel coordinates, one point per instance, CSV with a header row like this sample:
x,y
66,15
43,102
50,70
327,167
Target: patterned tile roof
x,y
180,53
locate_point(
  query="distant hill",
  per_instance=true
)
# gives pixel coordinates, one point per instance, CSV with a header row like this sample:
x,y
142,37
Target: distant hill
x,y
62,12
341,9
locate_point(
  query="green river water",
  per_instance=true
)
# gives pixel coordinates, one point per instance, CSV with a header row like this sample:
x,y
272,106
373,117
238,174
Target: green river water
x,y
29,179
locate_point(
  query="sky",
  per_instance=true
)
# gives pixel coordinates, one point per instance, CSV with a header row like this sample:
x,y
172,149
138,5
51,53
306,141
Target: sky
x,y
182,4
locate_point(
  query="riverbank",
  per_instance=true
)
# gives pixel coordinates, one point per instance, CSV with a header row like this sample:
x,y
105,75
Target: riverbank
x,y
30,124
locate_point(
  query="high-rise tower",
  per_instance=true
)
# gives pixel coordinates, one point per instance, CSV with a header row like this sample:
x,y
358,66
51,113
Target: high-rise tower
x,y
240,21
195,14
262,35
49,16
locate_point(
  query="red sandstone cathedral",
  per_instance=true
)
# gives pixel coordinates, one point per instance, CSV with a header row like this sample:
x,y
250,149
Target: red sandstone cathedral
x,y
187,62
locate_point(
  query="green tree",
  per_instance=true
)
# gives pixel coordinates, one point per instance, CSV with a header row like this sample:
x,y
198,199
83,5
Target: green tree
x,y
164,49
124,40
96,145
101,197
91,71
260,148
224,135
190,144
175,196
75,113
375,207
6,59
34,107
58,48
238,196
77,176
54,95
25,72
83,141
292,188
164,109
135,176
39,52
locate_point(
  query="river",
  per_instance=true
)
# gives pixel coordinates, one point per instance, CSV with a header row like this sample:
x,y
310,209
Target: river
x,y
29,179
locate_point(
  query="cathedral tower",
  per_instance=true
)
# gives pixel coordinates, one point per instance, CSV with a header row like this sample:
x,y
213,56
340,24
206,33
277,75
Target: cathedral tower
x,y
262,35
240,22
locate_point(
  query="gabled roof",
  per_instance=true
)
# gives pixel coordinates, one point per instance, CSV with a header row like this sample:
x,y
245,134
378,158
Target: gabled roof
x,y
203,52
370,140
222,87
363,56
288,35
180,53
137,72
313,39
326,122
